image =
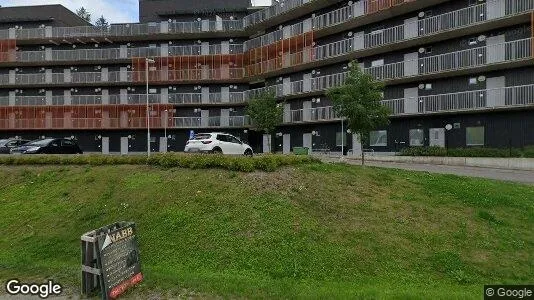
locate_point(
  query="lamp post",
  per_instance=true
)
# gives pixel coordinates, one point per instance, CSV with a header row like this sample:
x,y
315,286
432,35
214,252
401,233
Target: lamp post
x,y
147,61
448,128
165,128
342,140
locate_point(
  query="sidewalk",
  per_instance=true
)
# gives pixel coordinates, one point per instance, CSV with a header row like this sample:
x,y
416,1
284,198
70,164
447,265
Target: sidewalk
x,y
520,176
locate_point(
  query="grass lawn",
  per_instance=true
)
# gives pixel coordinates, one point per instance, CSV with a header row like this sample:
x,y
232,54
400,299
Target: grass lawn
x,y
309,231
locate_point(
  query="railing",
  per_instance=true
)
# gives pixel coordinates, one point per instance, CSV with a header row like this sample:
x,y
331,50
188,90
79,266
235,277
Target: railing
x,y
272,11
467,100
185,98
469,58
199,122
215,98
323,113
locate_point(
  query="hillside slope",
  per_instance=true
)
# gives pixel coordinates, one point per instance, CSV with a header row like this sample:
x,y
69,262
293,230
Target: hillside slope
x,y
329,231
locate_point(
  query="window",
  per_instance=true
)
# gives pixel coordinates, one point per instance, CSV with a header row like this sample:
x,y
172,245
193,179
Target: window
x,y
339,135
222,138
428,50
67,143
233,139
474,136
377,63
378,138
417,137
473,80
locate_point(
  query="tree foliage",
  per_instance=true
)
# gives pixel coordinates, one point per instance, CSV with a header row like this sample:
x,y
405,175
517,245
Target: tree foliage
x,y
265,113
358,100
84,14
102,23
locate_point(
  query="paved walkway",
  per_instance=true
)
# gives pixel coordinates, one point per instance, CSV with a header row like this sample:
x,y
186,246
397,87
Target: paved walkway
x,y
520,176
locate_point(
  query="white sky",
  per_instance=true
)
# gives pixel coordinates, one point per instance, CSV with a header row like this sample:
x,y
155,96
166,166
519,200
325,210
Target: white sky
x,y
115,11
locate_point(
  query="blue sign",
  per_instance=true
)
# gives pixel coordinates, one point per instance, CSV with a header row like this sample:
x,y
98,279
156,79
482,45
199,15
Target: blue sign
x,y
191,134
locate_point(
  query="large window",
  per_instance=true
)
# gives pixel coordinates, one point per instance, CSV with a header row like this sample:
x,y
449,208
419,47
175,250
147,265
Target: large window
x,y
474,136
417,137
338,139
378,138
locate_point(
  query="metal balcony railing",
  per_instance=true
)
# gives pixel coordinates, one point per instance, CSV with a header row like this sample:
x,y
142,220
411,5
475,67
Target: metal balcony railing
x,y
215,121
185,98
237,97
272,11
469,58
215,98
323,113
238,121
467,100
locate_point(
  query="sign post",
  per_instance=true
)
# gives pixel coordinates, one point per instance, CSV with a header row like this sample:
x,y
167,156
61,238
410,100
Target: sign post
x,y
110,260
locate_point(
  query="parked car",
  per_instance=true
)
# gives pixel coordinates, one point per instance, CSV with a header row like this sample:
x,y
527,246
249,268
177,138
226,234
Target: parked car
x,y
8,144
217,142
49,146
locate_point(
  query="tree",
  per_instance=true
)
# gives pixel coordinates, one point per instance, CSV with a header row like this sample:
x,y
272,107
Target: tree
x,y
358,101
84,14
102,23
265,113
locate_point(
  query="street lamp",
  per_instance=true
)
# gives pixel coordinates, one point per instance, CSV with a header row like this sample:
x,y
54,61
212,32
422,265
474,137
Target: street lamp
x,y
165,128
148,61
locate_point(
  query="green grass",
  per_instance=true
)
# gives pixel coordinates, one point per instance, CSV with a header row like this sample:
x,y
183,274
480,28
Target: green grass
x,y
305,231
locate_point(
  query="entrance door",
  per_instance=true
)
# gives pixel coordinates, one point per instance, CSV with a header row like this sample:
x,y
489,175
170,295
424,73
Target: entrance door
x,y
437,137
105,145
124,145
307,141
287,144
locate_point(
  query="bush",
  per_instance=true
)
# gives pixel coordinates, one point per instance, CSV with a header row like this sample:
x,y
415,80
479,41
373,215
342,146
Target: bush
x,y
468,152
268,162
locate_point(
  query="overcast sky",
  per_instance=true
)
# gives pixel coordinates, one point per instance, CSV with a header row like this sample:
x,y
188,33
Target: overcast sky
x,y
115,11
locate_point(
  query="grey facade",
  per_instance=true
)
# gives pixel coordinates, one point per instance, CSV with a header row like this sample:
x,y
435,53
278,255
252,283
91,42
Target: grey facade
x,y
459,62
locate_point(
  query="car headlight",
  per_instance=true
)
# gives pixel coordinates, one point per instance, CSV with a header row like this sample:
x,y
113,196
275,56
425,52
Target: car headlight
x,y
32,150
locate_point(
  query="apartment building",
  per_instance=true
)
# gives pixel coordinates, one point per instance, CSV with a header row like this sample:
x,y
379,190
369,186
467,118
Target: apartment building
x,y
465,65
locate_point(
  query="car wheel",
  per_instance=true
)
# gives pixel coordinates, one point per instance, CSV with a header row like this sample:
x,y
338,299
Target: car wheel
x,y
217,151
248,152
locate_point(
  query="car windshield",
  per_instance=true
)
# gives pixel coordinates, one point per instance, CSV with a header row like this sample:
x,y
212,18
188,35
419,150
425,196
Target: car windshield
x,y
202,136
39,142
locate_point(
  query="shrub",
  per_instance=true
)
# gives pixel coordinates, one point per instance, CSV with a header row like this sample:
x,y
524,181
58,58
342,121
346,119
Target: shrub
x,y
268,162
468,152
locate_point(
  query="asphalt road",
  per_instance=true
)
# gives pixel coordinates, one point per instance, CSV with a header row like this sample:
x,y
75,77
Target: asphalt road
x,y
526,177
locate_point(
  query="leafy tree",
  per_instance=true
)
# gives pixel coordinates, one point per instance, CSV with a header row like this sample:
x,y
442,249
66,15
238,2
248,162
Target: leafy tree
x,y
358,101
102,23
84,14
265,113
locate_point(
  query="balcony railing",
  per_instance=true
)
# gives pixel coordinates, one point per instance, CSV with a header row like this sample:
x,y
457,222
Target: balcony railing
x,y
208,122
325,113
461,101
470,58
272,11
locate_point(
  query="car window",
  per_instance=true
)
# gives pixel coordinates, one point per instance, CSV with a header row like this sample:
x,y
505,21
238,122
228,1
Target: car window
x,y
67,143
40,142
234,140
202,136
54,144
222,137
11,144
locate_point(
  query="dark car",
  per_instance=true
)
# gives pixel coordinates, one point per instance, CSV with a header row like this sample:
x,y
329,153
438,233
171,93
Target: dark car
x,y
8,144
49,146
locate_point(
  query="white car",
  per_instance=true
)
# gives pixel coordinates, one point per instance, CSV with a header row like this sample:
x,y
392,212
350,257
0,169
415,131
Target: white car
x,y
217,142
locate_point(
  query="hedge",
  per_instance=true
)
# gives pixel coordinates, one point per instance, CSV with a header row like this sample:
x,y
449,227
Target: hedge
x,y
468,152
267,163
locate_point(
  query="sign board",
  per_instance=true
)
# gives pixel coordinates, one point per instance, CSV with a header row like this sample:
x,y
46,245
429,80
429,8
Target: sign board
x,y
110,260
191,134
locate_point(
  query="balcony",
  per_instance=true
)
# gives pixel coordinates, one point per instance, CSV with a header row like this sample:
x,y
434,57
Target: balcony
x,y
443,64
323,114
211,122
500,98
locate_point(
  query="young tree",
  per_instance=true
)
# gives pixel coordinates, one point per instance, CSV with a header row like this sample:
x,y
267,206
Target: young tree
x,y
265,113
102,23
358,101
84,14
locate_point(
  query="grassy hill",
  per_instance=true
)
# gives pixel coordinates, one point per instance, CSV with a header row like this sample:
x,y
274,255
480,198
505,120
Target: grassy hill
x,y
315,230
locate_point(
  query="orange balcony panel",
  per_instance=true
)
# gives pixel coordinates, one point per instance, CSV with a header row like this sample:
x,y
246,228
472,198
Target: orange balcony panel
x,y
374,6
8,50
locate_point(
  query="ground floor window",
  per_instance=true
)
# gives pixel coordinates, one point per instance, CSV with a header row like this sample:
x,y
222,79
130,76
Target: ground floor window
x,y
339,135
474,136
378,138
417,137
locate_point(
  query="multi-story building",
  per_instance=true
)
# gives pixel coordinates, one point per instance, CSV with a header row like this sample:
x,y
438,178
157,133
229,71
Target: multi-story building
x,y
463,63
